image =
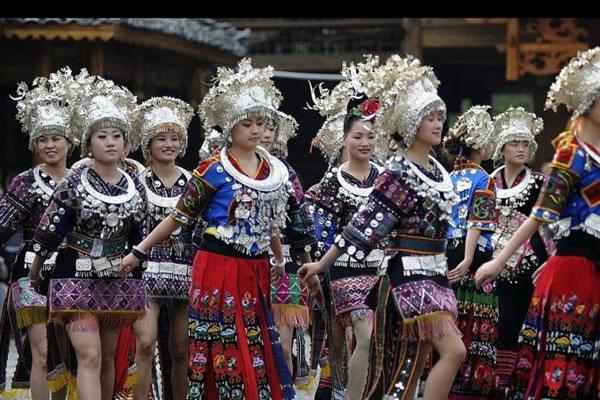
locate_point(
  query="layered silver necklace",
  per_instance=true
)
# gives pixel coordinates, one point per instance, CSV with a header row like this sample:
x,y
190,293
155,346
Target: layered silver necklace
x,y
113,210
353,191
431,191
39,188
158,200
260,204
512,198
278,173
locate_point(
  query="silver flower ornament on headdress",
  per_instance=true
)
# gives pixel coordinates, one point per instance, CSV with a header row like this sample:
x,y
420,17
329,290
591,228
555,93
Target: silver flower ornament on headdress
x,y
102,104
474,128
47,107
577,85
162,115
286,128
237,95
408,93
356,83
332,104
330,137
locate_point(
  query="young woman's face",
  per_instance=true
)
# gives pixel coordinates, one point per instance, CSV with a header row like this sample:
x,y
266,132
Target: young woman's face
x,y
52,149
248,132
430,130
516,152
360,140
107,144
165,147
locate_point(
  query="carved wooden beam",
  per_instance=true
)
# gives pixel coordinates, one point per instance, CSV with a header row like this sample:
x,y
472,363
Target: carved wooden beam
x,y
555,42
97,59
413,39
102,32
512,49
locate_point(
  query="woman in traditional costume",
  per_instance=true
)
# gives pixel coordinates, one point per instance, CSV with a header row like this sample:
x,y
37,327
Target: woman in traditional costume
x,y
162,124
241,193
100,211
517,189
469,142
558,355
45,113
410,206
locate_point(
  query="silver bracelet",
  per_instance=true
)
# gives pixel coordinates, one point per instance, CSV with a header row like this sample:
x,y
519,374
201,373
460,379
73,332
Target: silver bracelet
x,y
275,264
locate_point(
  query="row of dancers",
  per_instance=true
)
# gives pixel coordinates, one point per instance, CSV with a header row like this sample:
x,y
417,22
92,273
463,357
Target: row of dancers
x,y
481,285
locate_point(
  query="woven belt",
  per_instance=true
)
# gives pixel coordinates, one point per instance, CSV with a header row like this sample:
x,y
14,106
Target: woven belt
x,y
417,244
104,248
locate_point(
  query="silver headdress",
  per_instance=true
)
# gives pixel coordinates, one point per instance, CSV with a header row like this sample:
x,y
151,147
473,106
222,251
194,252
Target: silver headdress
x,y
516,124
237,95
474,128
285,129
408,93
577,85
357,82
212,143
162,115
102,104
47,107
330,137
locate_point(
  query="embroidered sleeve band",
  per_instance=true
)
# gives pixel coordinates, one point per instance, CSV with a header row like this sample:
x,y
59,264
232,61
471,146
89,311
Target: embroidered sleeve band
x,y
193,200
482,215
554,194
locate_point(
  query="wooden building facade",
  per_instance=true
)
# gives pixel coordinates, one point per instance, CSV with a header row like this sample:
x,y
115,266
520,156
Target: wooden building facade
x,y
152,57
496,61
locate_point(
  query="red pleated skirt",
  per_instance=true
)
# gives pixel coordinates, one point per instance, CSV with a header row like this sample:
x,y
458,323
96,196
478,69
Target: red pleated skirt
x,y
560,338
234,348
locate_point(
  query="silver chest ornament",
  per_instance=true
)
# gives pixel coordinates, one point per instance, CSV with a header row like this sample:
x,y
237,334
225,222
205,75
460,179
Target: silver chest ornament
x,y
39,189
160,207
112,210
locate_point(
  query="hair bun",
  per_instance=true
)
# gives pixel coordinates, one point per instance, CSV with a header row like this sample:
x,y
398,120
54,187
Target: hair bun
x,y
355,101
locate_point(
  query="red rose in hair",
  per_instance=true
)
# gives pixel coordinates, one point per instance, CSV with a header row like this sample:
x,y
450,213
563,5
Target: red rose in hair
x,y
369,107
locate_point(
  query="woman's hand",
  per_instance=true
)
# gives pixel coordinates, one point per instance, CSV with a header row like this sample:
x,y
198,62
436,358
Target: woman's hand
x,y
308,270
459,272
35,273
488,272
276,274
315,290
36,280
128,264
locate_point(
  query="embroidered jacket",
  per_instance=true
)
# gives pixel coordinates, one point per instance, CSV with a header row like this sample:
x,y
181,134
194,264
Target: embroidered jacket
x,y
23,206
333,204
513,206
172,257
394,209
98,220
241,211
299,233
477,208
